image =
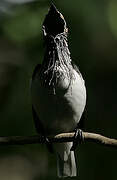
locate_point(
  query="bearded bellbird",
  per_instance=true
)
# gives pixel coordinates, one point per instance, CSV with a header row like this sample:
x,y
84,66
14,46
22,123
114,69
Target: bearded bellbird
x,y
58,91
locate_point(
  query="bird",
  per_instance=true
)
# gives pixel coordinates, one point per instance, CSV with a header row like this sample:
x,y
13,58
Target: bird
x,y
58,92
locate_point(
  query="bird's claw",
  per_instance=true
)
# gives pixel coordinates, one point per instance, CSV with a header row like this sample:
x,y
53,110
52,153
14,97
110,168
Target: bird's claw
x,y
78,138
48,144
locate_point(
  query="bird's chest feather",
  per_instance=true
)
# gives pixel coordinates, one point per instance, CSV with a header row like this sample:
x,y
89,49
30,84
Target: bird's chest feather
x,y
59,109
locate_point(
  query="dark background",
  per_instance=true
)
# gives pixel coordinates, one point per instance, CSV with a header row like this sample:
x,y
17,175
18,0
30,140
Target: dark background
x,y
93,45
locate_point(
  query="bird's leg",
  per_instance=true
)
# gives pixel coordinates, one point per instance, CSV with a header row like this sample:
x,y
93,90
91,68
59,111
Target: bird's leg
x,y
78,138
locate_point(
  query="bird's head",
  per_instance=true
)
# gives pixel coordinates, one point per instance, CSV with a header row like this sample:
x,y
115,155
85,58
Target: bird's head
x,y
54,23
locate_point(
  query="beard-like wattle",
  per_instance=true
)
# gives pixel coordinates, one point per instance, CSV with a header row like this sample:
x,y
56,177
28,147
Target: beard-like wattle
x,y
57,61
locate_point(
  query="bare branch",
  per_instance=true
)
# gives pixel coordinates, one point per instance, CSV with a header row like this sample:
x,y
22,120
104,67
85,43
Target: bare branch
x,y
64,137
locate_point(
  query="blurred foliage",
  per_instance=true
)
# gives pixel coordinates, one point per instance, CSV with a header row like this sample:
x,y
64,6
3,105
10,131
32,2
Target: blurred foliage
x,y
25,24
93,45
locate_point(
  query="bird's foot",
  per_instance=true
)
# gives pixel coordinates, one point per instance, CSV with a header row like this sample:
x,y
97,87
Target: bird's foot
x,y
48,144
78,139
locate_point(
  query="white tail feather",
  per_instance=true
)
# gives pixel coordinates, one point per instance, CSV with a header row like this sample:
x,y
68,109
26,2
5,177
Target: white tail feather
x,y
66,165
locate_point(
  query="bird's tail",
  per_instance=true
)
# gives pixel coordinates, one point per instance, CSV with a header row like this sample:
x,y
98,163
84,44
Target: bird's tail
x,y
66,165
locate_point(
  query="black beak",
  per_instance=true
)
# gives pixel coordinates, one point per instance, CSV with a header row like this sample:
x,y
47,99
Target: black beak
x,y
54,22
53,8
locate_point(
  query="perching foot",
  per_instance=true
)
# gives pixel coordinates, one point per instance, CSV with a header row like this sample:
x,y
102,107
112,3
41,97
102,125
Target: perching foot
x,y
48,144
78,138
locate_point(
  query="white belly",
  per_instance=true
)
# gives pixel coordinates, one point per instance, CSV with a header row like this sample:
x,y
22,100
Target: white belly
x,y
59,112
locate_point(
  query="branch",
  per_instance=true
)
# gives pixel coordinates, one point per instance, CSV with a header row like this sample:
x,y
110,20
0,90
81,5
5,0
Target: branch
x,y
64,137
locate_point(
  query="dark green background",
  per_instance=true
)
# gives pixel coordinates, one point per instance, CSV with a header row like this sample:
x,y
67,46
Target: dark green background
x,y
93,45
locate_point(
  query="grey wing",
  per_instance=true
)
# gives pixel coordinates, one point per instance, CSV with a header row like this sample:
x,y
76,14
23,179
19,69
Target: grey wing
x,y
40,129
38,124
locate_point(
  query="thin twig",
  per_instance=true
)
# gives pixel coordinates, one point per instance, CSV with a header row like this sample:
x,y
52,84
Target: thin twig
x,y
64,137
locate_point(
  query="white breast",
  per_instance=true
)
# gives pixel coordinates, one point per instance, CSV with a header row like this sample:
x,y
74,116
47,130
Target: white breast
x,y
62,111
